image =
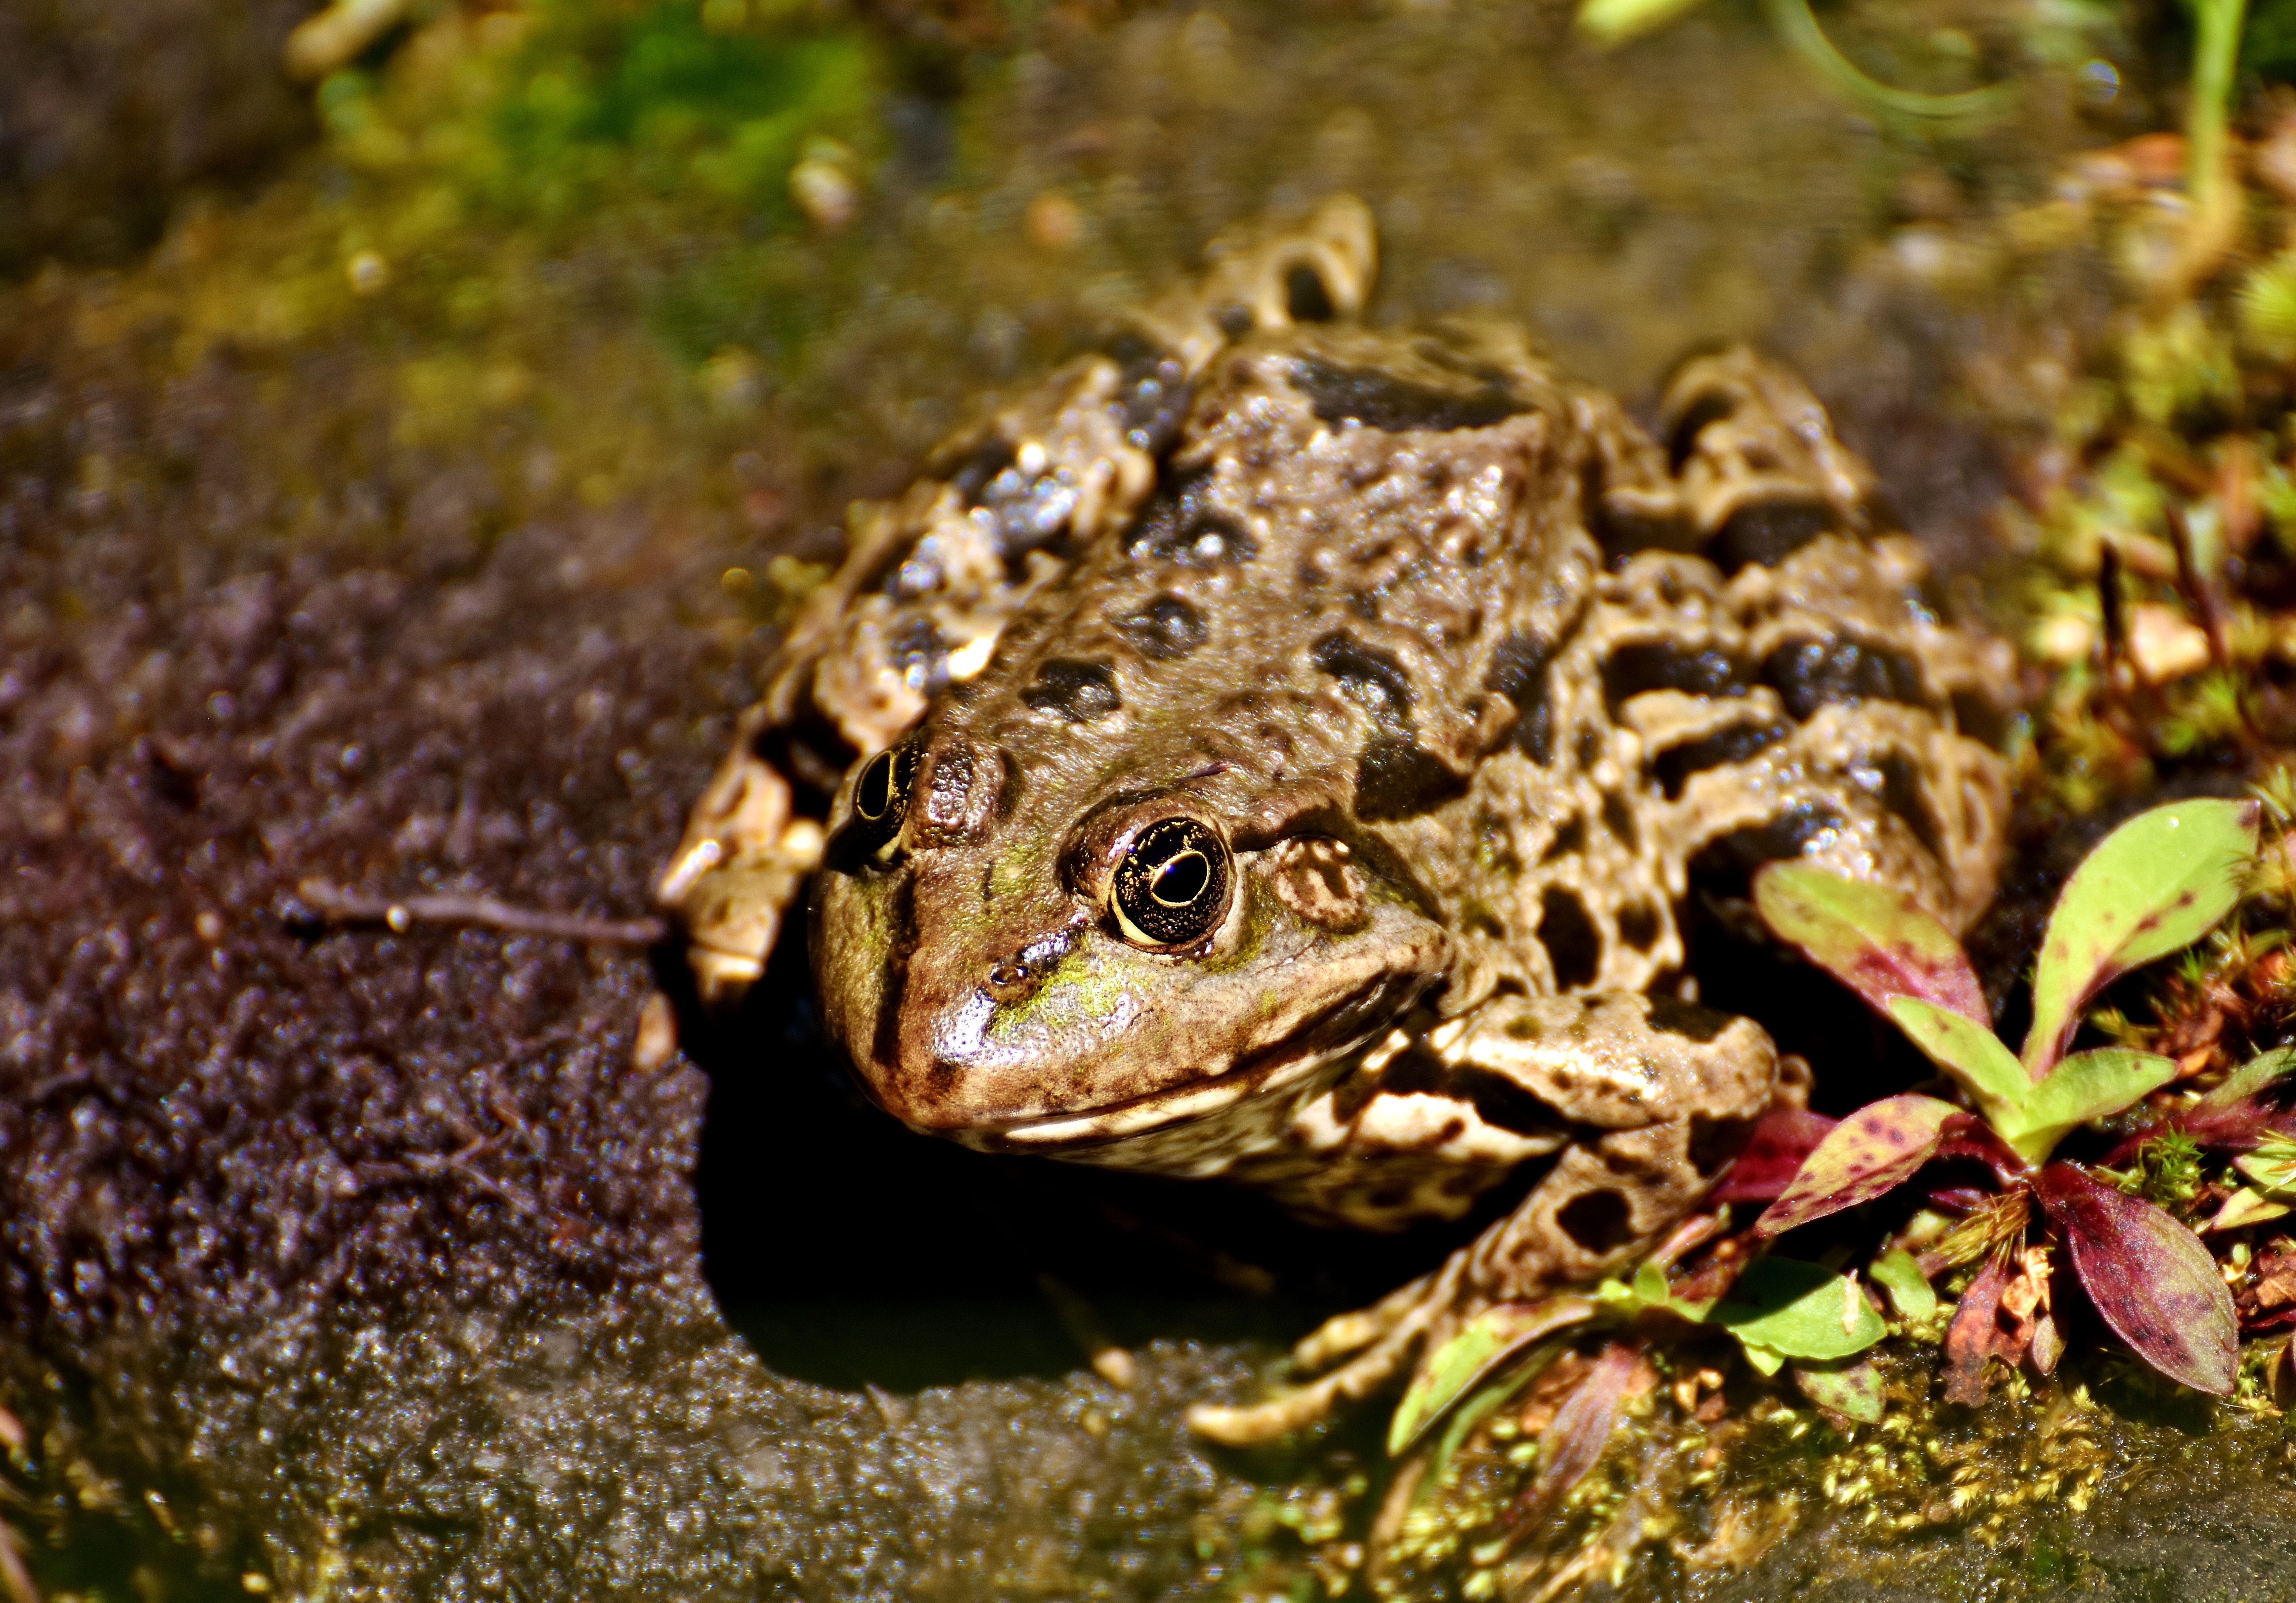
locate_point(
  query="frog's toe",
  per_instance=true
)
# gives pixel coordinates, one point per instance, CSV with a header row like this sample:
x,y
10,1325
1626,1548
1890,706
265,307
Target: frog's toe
x,y
1383,1339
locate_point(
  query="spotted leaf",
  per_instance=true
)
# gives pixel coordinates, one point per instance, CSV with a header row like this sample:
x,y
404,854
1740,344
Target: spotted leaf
x,y
1873,1150
1852,1390
1880,942
2150,1278
1773,1155
2156,884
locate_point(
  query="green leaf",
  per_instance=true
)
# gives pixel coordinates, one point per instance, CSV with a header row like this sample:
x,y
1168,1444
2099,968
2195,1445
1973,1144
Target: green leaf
x,y
1765,1360
1899,1273
1873,1150
2251,1077
2156,884
2088,1085
1971,1053
1647,1290
1854,1390
1614,21
2245,1206
2272,1165
1799,1311
1880,942
1480,1349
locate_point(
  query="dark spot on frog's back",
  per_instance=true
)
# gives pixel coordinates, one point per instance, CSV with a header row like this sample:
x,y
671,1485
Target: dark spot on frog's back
x,y
1768,532
1809,674
1165,631
1574,946
1725,865
1518,672
1373,679
1674,767
1395,779
1662,665
1395,406
1600,1222
1901,793
1178,524
1688,1020
1074,690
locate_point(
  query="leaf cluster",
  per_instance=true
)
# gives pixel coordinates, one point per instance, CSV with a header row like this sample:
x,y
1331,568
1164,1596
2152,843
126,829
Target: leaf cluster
x,y
2155,886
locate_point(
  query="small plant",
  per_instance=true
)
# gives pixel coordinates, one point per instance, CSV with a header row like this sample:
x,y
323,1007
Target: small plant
x,y
2156,885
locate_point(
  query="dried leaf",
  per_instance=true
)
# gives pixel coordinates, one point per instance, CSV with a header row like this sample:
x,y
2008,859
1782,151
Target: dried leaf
x,y
1799,1311
2088,1085
1899,1274
2150,1278
1773,1155
1875,1149
1975,1338
1574,1439
1852,1390
2154,885
1969,1052
2048,1346
1482,1346
1880,942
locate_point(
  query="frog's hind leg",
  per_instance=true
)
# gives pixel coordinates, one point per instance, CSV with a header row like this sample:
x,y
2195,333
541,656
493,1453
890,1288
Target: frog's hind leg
x,y
1657,1097
1384,1338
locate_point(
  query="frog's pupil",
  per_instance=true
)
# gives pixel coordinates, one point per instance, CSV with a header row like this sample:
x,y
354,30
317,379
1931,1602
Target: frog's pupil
x,y
1182,879
872,797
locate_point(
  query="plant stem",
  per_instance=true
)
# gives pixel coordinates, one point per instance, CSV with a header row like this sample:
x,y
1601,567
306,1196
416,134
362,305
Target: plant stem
x,y
2216,53
1799,31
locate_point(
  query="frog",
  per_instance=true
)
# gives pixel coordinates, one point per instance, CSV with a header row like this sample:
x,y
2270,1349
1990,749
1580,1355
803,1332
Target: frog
x,y
1288,750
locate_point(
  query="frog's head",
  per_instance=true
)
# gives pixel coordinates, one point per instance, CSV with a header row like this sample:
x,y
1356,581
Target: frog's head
x,y
1059,960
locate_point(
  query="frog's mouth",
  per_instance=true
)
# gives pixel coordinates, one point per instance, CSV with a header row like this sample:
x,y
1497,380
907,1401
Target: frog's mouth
x,y
1200,1127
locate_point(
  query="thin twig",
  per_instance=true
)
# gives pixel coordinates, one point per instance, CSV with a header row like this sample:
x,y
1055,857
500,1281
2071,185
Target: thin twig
x,y
403,913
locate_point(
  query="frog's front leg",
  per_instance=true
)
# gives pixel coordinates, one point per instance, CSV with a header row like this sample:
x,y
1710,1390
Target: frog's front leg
x,y
1646,1100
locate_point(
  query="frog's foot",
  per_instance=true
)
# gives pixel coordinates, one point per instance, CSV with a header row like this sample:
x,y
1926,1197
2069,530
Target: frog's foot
x,y
740,864
1383,1338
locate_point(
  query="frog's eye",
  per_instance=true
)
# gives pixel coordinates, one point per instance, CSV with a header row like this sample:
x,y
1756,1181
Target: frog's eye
x,y
1172,887
880,795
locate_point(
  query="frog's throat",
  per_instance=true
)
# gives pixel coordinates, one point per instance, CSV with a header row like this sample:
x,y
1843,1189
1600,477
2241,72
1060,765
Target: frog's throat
x,y
1190,1131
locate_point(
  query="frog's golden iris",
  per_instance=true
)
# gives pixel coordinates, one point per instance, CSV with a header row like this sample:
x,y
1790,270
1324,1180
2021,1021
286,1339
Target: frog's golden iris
x,y
1171,887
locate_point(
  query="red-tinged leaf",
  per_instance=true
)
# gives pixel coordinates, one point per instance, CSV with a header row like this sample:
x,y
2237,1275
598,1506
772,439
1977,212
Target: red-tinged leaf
x,y
1773,1155
1880,942
1575,1437
1974,1139
1873,1150
1961,1199
1974,1338
2150,1278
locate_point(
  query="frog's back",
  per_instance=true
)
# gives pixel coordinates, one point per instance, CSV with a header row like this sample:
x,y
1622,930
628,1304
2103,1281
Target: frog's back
x,y
1470,603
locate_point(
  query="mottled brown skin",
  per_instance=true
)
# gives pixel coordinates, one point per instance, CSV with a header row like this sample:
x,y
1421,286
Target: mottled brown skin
x,y
1444,683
